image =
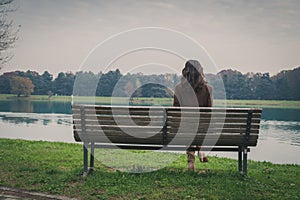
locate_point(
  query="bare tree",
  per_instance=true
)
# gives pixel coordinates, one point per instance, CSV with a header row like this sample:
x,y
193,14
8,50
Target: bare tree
x,y
8,34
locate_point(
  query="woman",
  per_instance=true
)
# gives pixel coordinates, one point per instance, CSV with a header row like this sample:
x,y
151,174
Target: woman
x,y
193,91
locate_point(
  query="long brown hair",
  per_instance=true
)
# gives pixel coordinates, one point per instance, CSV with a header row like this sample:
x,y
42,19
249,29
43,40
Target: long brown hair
x,y
193,74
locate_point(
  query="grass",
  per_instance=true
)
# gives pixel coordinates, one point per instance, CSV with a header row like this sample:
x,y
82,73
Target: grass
x,y
154,101
56,168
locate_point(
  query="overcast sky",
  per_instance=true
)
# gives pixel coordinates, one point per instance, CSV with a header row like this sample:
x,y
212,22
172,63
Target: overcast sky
x,y
256,36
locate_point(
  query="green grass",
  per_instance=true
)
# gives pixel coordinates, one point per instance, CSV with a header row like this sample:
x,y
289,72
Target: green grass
x,y
155,101
56,168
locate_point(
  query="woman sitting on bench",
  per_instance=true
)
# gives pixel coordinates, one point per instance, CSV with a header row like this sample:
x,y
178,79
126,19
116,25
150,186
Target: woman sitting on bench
x,y
193,79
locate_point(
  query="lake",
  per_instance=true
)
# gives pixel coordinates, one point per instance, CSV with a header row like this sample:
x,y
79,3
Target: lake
x,y
279,140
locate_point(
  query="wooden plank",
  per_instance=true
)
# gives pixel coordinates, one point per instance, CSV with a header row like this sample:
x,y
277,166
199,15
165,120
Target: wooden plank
x,y
211,130
186,109
120,112
126,129
152,130
214,109
212,125
212,115
139,123
168,147
215,120
99,132
158,140
109,107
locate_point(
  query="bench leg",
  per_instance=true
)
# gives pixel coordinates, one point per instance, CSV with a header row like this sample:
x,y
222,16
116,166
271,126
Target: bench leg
x,y
245,153
240,159
92,157
85,160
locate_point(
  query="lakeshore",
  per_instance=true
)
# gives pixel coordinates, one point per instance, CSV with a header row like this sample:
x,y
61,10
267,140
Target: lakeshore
x,y
152,101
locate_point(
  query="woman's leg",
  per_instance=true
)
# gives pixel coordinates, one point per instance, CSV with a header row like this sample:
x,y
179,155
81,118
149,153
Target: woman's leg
x,y
202,157
191,160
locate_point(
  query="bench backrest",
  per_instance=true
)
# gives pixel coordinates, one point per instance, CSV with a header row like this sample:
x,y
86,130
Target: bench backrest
x,y
166,125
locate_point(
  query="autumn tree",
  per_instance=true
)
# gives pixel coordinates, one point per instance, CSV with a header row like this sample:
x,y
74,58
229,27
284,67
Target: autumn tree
x,y
21,86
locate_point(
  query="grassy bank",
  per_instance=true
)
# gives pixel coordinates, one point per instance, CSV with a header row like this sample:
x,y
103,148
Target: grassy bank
x,y
56,168
154,101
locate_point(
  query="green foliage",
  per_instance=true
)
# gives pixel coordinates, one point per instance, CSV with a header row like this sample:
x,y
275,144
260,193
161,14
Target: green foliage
x,y
283,86
63,84
56,168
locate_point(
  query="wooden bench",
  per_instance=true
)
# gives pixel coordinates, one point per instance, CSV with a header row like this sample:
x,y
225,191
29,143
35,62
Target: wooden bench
x,y
166,128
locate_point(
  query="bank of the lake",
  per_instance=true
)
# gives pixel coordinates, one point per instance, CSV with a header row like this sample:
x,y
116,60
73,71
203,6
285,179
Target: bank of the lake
x,y
153,101
55,168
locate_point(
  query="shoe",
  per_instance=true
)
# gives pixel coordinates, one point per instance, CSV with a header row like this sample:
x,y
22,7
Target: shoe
x,y
202,157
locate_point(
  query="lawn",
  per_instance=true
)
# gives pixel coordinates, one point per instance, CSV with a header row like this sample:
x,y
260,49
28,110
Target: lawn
x,y
56,168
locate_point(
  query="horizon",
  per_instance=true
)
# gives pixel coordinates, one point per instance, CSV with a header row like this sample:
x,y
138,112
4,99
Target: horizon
x,y
146,74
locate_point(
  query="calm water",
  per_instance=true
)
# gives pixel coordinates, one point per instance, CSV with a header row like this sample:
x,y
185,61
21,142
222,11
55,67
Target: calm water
x,y
279,140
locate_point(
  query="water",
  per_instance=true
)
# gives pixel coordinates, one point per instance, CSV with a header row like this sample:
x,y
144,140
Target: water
x,y
279,140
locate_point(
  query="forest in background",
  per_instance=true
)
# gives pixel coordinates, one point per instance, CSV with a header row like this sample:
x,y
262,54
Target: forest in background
x,y
257,86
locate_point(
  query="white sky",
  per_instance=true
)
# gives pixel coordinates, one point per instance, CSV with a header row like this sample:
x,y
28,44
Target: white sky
x,y
256,36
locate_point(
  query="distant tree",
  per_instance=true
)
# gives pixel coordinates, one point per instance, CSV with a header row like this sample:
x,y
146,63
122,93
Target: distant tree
x,y
217,84
287,84
8,35
264,88
107,83
63,84
152,90
46,83
21,86
236,84
4,84
282,86
85,84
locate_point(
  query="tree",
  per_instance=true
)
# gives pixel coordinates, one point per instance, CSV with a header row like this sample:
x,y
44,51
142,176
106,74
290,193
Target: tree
x,y
63,84
107,83
21,86
46,82
8,35
264,87
236,84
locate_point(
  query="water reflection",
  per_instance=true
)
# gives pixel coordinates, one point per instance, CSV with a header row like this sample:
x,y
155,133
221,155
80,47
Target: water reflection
x,y
284,131
25,106
34,118
18,120
33,126
281,114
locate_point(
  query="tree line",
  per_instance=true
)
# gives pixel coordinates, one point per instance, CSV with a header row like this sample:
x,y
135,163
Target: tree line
x,y
232,83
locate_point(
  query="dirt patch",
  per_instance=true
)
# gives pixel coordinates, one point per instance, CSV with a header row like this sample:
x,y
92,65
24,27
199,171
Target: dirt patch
x,y
14,193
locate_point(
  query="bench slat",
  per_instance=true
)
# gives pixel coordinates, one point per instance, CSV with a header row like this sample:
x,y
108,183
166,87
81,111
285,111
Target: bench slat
x,y
139,123
213,130
225,140
172,119
211,115
215,120
213,109
120,112
95,125
152,129
204,109
211,125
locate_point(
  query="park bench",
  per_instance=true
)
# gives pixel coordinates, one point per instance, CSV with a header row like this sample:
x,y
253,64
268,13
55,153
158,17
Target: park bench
x,y
166,128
